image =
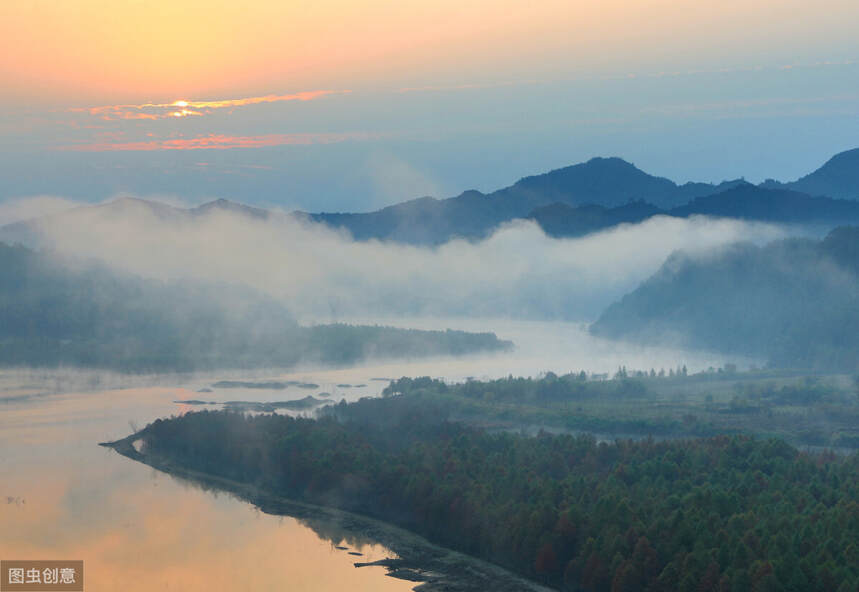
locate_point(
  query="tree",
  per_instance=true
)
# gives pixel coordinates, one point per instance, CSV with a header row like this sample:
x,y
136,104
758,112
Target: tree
x,y
546,561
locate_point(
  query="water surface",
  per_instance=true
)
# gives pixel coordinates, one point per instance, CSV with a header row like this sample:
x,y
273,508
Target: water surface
x,y
64,497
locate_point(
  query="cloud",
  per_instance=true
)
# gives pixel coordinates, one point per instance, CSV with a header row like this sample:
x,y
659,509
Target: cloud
x,y
518,272
466,86
25,208
220,142
186,108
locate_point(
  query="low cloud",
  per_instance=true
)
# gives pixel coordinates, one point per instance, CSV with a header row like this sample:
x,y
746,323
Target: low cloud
x,y
220,142
323,274
19,209
185,108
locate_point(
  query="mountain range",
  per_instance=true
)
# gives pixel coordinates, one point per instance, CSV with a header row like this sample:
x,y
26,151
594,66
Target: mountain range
x,y
792,302
605,182
596,194
570,201
839,178
743,201
33,233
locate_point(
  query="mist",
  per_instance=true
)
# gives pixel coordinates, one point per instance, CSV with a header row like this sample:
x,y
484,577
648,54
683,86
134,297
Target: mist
x,y
26,208
323,275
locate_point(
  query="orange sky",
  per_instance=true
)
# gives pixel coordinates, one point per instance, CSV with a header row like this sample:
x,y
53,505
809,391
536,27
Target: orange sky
x,y
97,94
84,50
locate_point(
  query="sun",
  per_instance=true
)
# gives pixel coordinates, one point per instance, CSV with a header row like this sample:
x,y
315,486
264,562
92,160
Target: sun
x,y
179,104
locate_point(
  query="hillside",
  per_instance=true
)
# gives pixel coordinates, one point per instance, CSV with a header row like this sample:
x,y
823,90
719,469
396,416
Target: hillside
x,y
743,201
607,187
36,233
749,202
609,182
606,182
838,177
560,220
794,302
57,311
724,513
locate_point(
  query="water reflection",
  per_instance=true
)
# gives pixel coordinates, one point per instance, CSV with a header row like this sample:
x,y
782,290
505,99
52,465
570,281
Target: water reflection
x,y
63,497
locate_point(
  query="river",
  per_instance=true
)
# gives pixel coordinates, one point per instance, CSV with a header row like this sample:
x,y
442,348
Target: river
x,y
64,497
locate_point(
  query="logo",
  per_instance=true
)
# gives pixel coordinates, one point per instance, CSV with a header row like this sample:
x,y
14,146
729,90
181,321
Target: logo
x,y
41,575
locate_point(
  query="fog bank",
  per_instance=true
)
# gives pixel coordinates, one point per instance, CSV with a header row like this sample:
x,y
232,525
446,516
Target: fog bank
x,y
323,274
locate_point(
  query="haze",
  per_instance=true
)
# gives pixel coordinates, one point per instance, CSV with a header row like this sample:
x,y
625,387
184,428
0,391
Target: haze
x,y
319,273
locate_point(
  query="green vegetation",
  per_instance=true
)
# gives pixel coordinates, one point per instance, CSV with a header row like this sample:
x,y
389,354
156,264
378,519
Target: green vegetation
x,y
794,302
724,513
803,410
56,311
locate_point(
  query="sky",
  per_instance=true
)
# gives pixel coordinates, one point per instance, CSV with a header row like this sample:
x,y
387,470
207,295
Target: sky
x,y
348,106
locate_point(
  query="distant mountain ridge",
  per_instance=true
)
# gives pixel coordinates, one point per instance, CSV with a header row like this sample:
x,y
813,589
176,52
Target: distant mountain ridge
x,y
570,201
607,182
838,177
743,202
597,194
225,205
34,233
610,182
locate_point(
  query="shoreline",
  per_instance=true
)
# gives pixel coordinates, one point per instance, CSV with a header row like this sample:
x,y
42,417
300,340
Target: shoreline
x,y
433,568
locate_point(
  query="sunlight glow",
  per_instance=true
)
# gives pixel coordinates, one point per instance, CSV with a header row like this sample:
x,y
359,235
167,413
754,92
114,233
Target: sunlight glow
x,y
183,112
168,110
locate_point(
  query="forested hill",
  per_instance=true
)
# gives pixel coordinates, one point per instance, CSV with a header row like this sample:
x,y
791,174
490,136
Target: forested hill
x,y
794,302
57,311
838,177
749,202
727,513
743,201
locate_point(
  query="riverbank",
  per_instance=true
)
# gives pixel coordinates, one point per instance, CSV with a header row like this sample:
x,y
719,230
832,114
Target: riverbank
x,y
434,568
